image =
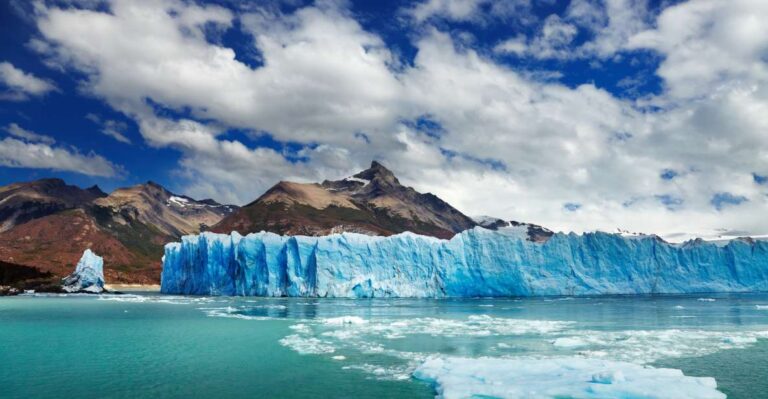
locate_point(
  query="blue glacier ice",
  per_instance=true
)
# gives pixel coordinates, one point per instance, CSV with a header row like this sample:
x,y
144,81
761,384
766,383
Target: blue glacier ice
x,y
88,275
476,262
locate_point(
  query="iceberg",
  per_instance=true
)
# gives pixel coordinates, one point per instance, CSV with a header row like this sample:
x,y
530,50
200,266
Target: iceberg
x,y
475,263
568,377
88,275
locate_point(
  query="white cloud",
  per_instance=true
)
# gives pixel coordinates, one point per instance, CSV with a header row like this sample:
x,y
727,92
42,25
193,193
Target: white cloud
x,y
111,128
458,10
620,20
19,154
516,45
552,41
21,85
510,145
608,25
476,11
710,45
325,80
27,135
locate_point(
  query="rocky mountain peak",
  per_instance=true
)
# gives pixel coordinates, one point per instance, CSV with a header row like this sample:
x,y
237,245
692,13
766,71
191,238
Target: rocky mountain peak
x,y
370,202
378,173
96,191
155,188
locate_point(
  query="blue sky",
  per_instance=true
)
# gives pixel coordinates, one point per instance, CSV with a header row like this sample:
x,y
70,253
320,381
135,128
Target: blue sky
x,y
580,115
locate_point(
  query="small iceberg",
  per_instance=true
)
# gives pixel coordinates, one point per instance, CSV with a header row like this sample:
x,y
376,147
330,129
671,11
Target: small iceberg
x,y
88,276
569,377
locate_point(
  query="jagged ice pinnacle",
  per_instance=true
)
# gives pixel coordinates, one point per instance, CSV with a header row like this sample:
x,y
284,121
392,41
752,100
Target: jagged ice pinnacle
x,y
88,275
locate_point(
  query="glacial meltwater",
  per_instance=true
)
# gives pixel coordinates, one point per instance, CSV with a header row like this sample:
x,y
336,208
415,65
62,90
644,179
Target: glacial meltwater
x,y
162,346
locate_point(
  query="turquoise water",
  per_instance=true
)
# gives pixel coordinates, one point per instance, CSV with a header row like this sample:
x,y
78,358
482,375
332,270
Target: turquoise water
x,y
197,347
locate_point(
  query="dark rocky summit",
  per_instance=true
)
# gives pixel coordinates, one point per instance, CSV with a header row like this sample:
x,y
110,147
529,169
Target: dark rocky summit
x,y
371,202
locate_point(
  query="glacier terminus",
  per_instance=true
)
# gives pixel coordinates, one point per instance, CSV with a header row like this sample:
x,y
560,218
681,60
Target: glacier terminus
x,y
475,263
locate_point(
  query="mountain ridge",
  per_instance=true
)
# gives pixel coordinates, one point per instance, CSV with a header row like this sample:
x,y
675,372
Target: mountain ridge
x,y
371,202
47,224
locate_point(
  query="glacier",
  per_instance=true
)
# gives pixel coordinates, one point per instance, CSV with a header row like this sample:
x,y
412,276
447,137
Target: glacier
x,y
475,263
88,275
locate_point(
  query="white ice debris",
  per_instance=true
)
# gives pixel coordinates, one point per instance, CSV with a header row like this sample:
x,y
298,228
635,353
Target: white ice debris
x,y
567,377
344,320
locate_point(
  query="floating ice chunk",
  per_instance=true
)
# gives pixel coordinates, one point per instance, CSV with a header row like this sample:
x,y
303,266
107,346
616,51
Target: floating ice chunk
x,y
761,307
301,328
608,377
88,275
232,313
339,321
339,357
706,299
569,342
394,373
568,377
679,307
647,346
307,345
737,340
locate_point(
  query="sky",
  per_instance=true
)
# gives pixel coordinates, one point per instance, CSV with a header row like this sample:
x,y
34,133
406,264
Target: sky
x,y
581,115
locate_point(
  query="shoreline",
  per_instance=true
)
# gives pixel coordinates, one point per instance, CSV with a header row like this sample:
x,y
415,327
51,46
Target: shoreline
x,y
133,287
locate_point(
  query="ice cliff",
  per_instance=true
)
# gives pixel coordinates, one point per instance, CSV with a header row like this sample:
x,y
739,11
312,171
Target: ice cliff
x,y
476,262
88,275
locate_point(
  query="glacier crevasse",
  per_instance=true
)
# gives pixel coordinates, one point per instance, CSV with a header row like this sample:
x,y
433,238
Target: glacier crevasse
x,y
474,263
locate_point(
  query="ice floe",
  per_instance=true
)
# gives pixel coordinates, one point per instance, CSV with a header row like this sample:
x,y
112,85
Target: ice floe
x,y
568,377
307,345
166,299
340,321
648,346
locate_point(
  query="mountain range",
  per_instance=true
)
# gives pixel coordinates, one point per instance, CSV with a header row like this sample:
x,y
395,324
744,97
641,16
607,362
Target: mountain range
x,y
46,224
372,202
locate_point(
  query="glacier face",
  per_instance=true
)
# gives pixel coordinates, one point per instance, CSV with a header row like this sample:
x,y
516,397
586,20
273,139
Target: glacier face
x,y
476,262
88,275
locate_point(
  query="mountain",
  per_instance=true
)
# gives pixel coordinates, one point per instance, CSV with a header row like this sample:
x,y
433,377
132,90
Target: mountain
x,y
533,232
372,202
151,204
48,224
22,202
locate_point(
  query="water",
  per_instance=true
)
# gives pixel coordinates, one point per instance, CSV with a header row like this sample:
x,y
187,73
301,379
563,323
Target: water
x,y
198,347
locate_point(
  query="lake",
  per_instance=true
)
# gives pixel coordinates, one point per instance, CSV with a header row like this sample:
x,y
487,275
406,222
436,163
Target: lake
x,y
152,345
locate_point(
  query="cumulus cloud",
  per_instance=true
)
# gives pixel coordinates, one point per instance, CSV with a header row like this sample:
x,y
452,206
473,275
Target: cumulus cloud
x,y
710,45
469,10
498,140
608,25
553,40
19,154
20,85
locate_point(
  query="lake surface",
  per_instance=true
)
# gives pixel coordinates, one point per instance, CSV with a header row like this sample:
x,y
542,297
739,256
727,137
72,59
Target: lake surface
x,y
200,347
